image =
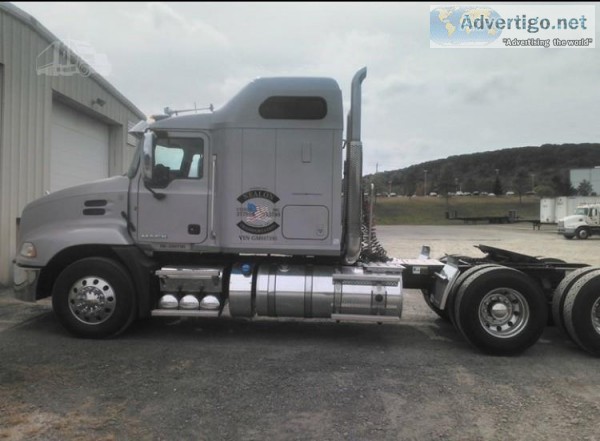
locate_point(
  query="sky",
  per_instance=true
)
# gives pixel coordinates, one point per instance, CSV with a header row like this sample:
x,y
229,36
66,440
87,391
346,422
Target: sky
x,y
419,103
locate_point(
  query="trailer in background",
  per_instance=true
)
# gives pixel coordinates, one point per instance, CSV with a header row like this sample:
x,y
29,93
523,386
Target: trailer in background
x,y
553,210
548,210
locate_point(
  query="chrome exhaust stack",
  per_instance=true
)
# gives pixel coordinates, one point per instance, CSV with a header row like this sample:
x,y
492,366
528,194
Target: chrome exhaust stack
x,y
352,190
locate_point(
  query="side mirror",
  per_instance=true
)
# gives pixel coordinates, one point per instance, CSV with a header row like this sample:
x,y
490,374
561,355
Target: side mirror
x,y
147,155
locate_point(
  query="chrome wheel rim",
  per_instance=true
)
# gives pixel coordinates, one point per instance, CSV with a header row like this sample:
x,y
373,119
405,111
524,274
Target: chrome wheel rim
x,y
596,315
503,312
92,300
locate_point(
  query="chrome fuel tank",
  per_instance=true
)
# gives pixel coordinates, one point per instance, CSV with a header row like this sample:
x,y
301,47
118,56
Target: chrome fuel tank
x,y
320,291
294,291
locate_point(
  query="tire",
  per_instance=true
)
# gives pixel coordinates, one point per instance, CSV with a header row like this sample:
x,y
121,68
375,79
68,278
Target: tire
x,y
442,313
461,278
110,306
582,233
560,293
500,311
581,312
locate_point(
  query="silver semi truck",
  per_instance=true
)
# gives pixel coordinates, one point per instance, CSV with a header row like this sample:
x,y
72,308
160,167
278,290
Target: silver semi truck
x,y
251,211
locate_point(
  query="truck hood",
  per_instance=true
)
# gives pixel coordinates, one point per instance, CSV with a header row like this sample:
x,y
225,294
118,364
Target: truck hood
x,y
113,185
574,219
91,213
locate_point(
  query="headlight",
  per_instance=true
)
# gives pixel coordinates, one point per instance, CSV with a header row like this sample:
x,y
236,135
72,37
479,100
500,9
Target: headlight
x,y
28,250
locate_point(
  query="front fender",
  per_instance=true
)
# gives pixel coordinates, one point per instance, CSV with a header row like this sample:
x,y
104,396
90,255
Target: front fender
x,y
573,226
49,240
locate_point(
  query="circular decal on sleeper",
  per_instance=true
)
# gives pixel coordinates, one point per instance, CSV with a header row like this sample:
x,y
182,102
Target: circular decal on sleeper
x,y
258,212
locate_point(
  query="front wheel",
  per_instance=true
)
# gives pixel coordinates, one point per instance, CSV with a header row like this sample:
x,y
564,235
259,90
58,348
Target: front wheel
x,y
500,311
94,298
582,233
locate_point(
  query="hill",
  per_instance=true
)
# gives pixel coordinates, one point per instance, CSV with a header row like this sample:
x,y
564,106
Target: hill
x,y
544,169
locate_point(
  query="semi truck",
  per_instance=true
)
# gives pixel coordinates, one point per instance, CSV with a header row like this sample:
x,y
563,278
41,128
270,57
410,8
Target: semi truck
x,y
251,211
583,223
553,210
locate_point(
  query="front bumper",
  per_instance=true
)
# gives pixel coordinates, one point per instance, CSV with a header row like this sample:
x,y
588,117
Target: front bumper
x,y
25,281
562,229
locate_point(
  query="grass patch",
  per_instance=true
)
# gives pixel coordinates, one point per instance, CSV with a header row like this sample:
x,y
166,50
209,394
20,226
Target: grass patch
x,y
432,210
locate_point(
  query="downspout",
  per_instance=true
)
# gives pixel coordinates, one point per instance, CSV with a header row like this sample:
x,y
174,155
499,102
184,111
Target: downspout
x,y
352,190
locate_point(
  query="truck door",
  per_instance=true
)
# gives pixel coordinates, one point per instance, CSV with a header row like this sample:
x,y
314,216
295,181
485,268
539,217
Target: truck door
x,y
594,215
173,207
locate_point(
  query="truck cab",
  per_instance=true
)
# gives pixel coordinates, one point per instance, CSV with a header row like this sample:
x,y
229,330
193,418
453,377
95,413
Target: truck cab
x,y
263,174
246,210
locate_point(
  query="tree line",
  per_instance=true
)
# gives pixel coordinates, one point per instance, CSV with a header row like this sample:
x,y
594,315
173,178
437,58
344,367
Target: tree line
x,y
543,170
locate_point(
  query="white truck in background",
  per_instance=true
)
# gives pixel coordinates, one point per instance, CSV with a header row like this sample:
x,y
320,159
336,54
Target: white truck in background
x,y
585,222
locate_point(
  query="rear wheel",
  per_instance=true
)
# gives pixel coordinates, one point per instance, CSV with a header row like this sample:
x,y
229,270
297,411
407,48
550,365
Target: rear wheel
x,y
560,293
94,298
581,312
500,311
461,279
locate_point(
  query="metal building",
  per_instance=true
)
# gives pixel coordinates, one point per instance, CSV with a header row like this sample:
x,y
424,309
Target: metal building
x,y
592,175
61,122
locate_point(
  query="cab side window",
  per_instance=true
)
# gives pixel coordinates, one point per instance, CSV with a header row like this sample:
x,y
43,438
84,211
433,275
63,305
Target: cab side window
x,y
177,158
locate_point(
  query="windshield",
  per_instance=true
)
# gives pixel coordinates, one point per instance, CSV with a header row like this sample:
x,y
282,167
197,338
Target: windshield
x,y
582,211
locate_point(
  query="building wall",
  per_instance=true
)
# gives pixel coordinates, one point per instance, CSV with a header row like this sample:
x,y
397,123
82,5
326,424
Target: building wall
x,y
25,114
592,175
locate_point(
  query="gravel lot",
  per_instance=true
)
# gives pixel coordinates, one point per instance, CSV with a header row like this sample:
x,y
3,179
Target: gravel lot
x,y
406,241
288,379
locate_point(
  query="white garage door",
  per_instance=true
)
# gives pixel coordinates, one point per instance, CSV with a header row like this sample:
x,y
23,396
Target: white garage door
x,y
79,148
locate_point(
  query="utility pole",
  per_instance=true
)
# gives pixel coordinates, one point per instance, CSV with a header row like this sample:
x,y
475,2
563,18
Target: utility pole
x,y
494,186
425,184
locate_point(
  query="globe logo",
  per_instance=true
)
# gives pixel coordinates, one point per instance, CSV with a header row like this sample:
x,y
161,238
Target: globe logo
x,y
463,26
